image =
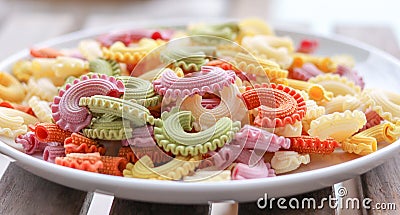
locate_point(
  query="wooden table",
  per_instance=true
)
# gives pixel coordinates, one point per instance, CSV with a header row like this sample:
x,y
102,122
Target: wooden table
x,y
23,23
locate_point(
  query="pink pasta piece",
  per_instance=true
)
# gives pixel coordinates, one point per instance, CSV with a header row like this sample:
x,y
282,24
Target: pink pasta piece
x,y
132,36
66,110
259,139
30,143
51,152
260,170
208,80
141,137
307,71
350,74
225,156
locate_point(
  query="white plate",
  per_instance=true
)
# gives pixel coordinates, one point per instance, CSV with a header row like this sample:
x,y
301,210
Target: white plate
x,y
378,68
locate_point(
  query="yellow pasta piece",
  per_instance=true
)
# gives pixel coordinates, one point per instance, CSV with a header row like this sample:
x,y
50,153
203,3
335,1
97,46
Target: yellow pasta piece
x,y
22,70
173,170
342,103
11,126
289,130
208,176
337,125
315,91
360,145
386,104
28,119
286,161
325,64
274,48
42,88
252,27
10,88
387,132
121,53
41,109
67,66
313,112
43,68
336,84
90,49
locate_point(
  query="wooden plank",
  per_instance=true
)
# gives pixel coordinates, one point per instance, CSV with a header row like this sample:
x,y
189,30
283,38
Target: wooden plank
x,y
22,192
382,183
122,206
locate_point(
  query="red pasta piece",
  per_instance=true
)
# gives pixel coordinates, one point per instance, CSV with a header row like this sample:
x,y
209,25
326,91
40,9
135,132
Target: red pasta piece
x,y
373,119
279,105
50,132
45,53
22,108
81,144
88,162
51,152
307,46
127,153
308,144
113,165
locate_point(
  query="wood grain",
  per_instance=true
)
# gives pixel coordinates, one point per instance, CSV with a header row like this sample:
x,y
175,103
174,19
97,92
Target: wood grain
x,y
21,192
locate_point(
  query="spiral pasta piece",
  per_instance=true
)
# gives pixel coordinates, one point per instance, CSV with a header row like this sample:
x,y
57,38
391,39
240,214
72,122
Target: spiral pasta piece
x,y
12,126
107,67
274,48
171,135
287,161
173,170
30,143
67,112
41,109
137,114
336,84
315,91
131,55
210,79
386,104
337,125
325,64
308,145
139,91
10,88
88,162
229,106
278,105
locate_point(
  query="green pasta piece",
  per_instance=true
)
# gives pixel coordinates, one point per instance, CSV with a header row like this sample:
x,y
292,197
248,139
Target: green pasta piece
x,y
228,31
170,133
188,58
137,114
140,91
108,134
108,67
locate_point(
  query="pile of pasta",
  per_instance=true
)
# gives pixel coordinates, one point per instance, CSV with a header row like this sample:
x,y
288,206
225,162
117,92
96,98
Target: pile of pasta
x,y
232,101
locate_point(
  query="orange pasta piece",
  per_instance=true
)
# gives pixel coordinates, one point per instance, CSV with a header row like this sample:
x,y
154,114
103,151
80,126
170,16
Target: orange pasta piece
x,y
77,143
45,53
50,132
127,153
88,162
308,144
113,165
22,108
